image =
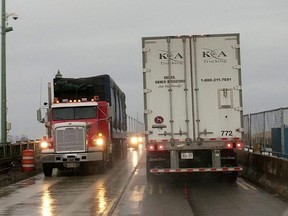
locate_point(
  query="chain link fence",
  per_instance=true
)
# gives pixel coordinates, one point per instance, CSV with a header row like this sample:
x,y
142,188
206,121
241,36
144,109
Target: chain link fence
x,y
267,132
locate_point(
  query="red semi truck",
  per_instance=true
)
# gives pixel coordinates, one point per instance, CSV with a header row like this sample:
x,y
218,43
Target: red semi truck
x,y
86,124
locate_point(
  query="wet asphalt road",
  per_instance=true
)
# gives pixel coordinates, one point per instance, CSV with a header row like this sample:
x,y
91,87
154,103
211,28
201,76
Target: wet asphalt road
x,y
123,190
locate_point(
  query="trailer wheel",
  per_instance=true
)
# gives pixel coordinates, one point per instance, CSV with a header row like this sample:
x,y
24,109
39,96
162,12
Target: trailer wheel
x,y
47,170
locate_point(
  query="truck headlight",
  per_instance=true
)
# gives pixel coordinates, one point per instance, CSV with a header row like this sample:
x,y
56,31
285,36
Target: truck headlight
x,y
44,144
98,141
134,140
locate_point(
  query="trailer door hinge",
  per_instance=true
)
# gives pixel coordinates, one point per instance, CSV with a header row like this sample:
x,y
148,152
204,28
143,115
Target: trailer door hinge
x,y
237,67
145,91
146,70
238,88
240,130
145,49
147,111
238,108
148,132
236,46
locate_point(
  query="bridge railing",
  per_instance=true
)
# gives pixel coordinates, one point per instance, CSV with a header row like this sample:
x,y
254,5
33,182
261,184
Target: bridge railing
x,y
16,149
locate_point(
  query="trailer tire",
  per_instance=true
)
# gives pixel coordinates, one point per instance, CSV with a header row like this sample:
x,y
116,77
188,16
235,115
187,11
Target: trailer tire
x,y
47,170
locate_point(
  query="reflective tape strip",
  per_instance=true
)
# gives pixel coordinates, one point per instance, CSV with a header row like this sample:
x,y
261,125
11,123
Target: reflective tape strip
x,y
205,139
27,158
221,139
182,170
28,165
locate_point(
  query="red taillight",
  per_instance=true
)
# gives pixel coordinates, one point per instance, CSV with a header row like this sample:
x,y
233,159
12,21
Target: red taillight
x,y
229,145
239,145
151,147
154,147
160,147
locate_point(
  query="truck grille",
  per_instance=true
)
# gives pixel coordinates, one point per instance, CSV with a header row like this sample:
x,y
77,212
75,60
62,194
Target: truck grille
x,y
70,139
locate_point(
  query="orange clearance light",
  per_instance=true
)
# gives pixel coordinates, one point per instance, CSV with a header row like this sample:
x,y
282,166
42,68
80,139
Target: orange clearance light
x,y
229,145
75,101
70,101
100,134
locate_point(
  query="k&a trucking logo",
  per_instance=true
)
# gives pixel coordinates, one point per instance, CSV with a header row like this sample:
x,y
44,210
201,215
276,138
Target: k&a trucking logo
x,y
214,56
174,57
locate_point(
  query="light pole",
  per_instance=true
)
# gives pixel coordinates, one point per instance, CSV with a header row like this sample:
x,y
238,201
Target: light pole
x,y
4,30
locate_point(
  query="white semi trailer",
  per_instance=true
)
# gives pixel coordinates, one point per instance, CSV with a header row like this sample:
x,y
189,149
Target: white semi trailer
x,y
192,103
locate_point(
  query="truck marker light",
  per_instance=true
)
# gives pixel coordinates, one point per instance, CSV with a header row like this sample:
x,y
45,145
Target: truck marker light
x,y
160,147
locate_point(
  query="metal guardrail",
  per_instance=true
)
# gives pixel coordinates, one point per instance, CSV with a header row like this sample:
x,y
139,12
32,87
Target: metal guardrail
x,y
11,153
16,149
267,132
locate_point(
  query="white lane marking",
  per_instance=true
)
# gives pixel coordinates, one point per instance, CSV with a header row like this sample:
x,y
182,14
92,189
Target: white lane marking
x,y
245,185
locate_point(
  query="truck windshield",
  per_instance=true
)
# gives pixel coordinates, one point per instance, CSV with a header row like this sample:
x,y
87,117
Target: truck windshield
x,y
71,113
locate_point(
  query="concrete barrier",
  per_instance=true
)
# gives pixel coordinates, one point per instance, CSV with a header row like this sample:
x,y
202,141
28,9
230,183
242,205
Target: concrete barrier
x,y
268,172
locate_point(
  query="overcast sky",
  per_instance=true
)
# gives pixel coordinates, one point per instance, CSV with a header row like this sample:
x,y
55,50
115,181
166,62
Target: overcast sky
x,y
93,37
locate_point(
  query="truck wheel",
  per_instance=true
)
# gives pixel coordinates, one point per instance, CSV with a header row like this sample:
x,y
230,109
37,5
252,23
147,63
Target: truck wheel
x,y
47,170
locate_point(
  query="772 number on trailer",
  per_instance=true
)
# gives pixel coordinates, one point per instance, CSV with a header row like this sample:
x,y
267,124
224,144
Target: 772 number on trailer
x,y
226,133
